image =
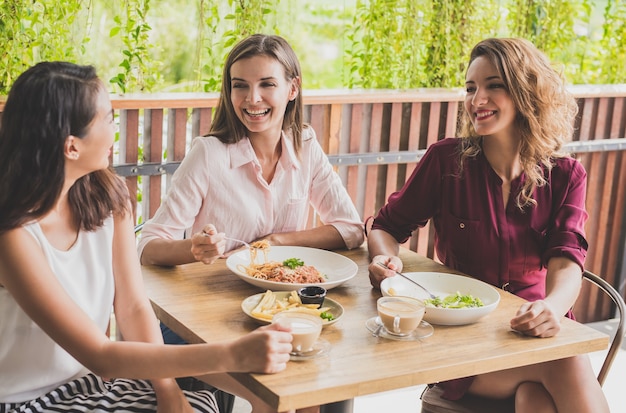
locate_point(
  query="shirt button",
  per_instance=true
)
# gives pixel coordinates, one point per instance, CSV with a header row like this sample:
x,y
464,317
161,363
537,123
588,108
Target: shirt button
x,y
461,225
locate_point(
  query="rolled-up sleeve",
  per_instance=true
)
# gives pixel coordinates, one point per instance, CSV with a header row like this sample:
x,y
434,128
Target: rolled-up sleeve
x,y
329,197
567,237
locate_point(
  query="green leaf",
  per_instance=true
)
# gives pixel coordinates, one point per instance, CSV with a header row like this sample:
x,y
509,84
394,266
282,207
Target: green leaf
x,y
293,263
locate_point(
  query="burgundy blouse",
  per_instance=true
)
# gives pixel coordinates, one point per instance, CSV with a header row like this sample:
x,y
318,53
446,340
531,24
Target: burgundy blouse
x,y
476,233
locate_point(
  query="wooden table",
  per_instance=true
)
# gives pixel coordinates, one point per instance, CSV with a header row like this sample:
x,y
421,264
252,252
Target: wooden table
x,y
203,303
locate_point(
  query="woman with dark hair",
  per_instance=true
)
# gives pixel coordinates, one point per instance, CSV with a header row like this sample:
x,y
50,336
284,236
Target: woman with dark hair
x,y
508,208
257,172
68,258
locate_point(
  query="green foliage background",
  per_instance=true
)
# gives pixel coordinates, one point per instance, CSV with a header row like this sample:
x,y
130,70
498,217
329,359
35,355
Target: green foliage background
x,y
180,45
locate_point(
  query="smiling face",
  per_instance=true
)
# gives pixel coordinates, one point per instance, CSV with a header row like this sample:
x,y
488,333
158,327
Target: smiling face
x,y
488,102
260,93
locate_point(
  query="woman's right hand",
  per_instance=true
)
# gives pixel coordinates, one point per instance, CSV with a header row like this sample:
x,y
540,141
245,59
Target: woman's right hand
x,y
378,273
208,245
265,350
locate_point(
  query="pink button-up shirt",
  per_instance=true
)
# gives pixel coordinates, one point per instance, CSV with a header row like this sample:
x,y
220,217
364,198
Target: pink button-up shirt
x,y
222,185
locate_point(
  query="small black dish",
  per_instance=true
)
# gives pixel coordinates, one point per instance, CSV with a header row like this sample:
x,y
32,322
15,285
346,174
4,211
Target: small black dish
x,y
312,295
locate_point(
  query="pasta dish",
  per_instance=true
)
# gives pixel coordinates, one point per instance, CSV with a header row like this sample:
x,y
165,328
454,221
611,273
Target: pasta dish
x,y
291,270
257,246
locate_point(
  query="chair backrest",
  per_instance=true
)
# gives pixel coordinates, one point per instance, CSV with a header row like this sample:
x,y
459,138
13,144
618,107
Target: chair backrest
x,y
432,402
620,310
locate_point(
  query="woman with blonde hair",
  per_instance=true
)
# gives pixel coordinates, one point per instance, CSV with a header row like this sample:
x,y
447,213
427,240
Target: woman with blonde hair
x,y
508,208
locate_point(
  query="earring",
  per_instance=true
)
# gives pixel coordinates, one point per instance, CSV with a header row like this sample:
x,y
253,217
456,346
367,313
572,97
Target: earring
x,y
75,156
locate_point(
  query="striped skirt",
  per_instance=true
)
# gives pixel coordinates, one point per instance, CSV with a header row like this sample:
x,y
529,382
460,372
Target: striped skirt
x,y
91,394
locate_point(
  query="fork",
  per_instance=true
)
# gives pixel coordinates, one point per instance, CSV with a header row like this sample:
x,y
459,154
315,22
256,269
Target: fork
x,y
238,240
431,295
231,239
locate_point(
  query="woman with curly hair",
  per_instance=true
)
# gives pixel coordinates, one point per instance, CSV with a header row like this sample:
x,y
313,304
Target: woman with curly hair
x,y
508,208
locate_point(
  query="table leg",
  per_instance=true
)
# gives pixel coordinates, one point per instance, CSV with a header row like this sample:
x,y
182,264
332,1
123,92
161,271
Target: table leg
x,y
345,406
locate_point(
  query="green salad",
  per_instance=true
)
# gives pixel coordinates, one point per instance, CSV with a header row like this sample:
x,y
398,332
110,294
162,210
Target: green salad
x,y
457,300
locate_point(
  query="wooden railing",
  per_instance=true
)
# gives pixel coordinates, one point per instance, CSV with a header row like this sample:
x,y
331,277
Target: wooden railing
x,y
375,138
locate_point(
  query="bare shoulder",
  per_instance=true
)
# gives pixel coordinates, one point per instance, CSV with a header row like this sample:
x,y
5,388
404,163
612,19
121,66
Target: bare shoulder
x,y
18,250
14,239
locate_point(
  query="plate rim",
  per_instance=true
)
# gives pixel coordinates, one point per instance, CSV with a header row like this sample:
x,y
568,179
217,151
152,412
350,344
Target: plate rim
x,y
281,286
324,322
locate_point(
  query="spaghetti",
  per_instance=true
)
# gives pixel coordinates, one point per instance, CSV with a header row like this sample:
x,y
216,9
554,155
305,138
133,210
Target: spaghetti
x,y
256,246
284,272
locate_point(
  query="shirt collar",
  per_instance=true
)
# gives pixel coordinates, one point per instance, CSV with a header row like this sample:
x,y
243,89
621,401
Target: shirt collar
x,y
242,153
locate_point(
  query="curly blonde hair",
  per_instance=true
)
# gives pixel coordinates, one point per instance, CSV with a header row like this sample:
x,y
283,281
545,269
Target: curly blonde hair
x,y
545,109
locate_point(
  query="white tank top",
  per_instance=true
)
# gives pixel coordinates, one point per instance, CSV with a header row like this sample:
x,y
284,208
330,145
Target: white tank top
x,y
31,364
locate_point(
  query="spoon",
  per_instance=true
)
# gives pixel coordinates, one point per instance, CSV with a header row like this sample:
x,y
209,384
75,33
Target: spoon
x,y
431,295
379,327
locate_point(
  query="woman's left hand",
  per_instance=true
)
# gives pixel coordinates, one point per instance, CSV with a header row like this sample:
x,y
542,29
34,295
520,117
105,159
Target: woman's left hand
x,y
536,319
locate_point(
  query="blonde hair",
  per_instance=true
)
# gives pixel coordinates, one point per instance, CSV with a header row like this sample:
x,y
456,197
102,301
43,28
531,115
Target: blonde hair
x,y
545,109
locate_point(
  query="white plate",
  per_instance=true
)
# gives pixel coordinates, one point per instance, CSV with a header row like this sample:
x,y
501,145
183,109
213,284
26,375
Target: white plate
x,y
337,268
443,284
249,303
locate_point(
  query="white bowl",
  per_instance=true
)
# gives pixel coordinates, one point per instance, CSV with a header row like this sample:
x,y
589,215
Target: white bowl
x,y
337,268
443,284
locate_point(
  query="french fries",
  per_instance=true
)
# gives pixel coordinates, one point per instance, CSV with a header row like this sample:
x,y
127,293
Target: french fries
x,y
270,305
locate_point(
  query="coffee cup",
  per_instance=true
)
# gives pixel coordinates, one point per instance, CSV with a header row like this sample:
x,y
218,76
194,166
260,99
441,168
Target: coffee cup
x,y
305,329
400,316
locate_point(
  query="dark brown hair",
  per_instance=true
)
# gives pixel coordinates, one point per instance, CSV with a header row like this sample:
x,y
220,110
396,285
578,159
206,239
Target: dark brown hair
x,y
46,104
